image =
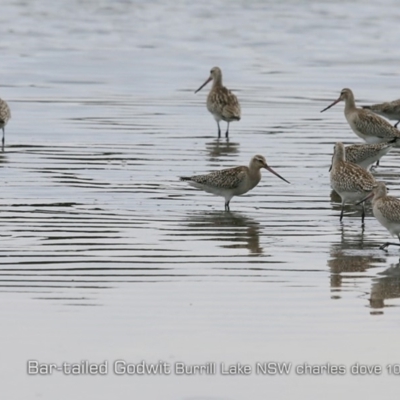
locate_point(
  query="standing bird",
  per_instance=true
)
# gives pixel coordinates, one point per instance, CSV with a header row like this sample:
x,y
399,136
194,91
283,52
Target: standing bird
x,y
386,210
365,155
364,123
221,102
5,115
389,110
349,180
232,181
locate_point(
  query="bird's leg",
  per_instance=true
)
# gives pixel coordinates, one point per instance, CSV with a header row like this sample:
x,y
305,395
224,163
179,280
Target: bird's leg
x,y
227,131
363,213
219,130
387,244
341,214
377,164
395,125
2,141
227,205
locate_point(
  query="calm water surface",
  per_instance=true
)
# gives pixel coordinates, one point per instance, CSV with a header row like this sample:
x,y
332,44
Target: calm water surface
x,y
105,255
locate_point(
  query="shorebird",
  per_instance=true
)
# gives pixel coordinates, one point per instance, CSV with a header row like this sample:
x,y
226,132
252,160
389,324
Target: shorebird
x,y
221,102
5,115
232,181
389,110
349,180
364,123
386,210
365,155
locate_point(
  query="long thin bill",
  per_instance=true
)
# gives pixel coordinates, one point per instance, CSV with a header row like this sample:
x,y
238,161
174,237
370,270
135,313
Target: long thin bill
x,y
365,198
275,173
204,84
335,102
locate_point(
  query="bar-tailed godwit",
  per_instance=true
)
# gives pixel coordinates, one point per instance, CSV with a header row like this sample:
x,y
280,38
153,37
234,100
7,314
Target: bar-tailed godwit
x,y
221,102
231,181
349,180
389,110
386,210
365,155
364,123
5,115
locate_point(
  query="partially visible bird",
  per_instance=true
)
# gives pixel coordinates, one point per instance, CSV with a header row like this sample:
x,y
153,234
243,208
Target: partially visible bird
x,y
365,155
349,180
231,181
386,210
221,102
5,115
364,123
389,110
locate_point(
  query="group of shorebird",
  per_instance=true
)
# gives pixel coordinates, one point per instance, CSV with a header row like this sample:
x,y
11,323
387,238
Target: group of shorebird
x,y
350,174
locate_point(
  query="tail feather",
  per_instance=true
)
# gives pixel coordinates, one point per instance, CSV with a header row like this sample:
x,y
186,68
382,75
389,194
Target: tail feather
x,y
367,107
185,178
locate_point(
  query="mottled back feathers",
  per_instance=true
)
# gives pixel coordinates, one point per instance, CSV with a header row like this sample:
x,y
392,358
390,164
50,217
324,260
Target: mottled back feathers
x,y
223,102
5,113
389,207
229,178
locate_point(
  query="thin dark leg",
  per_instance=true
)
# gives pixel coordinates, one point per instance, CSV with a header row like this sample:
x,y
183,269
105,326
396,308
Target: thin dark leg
x,y
363,213
387,244
219,130
227,205
377,163
341,214
395,125
2,141
227,131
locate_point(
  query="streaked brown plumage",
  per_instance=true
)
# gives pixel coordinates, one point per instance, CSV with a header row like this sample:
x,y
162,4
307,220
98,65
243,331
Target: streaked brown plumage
x,y
386,210
5,115
231,181
389,110
365,155
364,123
221,102
349,180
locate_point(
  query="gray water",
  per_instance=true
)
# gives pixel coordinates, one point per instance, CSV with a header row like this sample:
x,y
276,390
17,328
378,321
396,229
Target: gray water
x,y
106,255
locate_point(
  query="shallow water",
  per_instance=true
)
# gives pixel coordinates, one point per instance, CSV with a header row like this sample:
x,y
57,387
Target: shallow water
x,y
106,255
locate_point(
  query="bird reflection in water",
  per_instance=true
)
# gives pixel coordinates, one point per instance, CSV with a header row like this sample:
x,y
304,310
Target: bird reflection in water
x,y
237,230
219,148
385,286
351,255
3,158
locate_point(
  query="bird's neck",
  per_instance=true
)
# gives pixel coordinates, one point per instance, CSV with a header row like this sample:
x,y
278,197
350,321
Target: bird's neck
x,y
379,195
350,105
254,176
217,82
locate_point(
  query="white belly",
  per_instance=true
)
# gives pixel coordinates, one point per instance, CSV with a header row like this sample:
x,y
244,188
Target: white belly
x,y
351,197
